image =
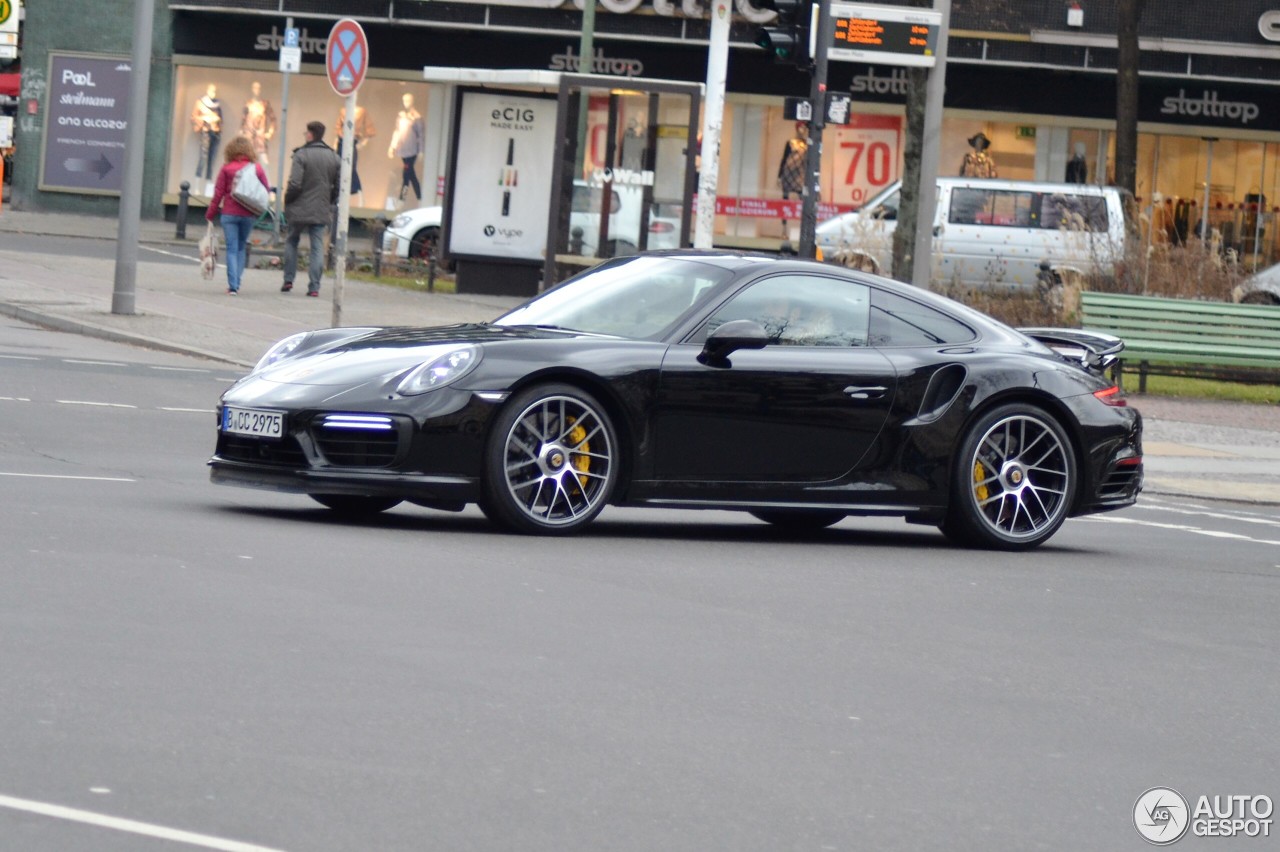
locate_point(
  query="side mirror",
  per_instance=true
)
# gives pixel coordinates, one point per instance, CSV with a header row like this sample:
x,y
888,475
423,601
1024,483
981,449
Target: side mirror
x,y
729,338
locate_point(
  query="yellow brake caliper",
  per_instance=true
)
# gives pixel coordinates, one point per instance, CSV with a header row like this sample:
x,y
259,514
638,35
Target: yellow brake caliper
x,y
578,458
980,474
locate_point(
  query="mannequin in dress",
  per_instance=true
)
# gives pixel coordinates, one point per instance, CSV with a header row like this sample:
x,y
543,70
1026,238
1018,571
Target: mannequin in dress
x,y
1078,166
258,122
407,143
206,121
362,131
792,168
978,163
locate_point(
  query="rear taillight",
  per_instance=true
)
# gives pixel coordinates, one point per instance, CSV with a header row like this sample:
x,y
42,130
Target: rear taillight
x,y
661,227
1111,396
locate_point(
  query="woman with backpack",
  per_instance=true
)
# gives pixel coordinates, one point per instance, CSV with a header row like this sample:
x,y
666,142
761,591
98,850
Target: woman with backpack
x,y
233,199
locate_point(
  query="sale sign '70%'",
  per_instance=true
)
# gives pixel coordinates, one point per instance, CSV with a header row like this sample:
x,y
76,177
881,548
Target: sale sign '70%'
x,y
867,156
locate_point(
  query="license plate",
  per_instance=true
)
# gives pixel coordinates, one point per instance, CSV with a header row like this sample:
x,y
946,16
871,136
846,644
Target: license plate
x,y
253,421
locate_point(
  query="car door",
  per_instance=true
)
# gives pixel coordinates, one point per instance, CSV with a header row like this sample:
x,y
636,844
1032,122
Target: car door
x,y
803,409
992,236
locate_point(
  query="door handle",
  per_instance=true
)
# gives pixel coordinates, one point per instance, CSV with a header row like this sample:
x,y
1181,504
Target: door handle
x,y
937,230
874,392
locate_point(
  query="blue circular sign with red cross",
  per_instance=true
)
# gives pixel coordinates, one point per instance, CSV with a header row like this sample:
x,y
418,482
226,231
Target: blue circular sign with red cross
x,y
347,56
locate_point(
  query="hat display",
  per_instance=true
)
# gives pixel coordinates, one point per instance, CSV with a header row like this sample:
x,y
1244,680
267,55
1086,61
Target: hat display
x,y
979,137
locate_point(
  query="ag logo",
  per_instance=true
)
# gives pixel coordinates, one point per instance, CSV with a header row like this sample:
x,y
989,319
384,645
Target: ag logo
x,y
489,230
1161,816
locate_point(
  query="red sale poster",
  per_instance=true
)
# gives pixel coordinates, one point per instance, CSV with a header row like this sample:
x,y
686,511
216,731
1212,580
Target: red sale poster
x,y
865,157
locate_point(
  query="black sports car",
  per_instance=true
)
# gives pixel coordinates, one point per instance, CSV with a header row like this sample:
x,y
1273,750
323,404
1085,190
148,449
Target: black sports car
x,y
795,391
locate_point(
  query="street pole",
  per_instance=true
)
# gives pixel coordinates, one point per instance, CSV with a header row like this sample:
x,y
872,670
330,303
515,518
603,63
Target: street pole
x,y
284,140
813,160
586,65
712,124
123,297
344,209
930,149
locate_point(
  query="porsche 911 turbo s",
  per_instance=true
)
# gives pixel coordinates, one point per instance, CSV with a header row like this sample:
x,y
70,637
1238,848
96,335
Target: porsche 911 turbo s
x,y
798,392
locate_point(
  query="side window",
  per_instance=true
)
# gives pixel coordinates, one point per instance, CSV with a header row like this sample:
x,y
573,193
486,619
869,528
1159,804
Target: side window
x,y
968,206
898,321
887,209
800,310
1074,212
1013,210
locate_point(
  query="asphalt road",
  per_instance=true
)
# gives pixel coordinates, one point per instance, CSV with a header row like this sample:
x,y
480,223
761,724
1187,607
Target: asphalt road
x,y
238,665
98,249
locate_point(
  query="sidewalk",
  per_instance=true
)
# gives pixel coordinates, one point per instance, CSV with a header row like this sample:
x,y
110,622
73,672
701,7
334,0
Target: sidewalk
x,y
1196,448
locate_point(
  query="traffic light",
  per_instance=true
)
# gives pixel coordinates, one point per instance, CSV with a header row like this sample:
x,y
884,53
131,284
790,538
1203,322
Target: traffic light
x,y
787,36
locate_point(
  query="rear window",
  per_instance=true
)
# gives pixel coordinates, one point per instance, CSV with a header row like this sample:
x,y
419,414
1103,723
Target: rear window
x,y
897,321
1011,208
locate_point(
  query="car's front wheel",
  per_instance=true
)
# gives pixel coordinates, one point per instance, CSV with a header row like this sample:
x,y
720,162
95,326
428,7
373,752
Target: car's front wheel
x,y
1014,482
351,506
551,461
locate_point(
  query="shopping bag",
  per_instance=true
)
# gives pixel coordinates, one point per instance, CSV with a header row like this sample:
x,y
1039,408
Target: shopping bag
x,y
209,252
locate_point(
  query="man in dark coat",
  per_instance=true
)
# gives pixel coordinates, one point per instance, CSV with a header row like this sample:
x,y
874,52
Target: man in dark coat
x,y
308,202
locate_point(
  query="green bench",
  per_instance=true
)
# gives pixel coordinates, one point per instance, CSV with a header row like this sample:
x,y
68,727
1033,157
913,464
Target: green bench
x,y
1185,337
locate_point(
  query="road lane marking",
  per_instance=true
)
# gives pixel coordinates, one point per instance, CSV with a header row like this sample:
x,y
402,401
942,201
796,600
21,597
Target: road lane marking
x,y
59,476
20,357
100,404
170,254
178,369
93,363
188,410
1184,528
1241,517
15,399
131,826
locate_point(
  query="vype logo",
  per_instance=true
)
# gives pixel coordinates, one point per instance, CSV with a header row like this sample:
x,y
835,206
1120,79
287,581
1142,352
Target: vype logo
x,y
1208,106
509,233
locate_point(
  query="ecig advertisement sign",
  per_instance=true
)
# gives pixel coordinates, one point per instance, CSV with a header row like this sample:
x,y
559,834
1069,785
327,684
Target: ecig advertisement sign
x,y
501,186
86,120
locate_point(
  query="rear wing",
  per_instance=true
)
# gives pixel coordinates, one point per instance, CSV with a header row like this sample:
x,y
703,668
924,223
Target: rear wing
x,y
1093,350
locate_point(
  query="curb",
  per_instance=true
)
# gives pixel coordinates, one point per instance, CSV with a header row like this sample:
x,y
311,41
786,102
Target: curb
x,y
57,323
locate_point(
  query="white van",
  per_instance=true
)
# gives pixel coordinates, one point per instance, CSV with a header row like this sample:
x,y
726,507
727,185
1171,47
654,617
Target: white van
x,y
991,232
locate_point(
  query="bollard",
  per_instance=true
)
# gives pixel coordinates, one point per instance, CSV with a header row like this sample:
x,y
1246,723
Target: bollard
x,y
184,196
575,240
431,273
379,228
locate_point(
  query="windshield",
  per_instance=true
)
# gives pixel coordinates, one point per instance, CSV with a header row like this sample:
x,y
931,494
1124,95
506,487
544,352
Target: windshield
x,y
635,297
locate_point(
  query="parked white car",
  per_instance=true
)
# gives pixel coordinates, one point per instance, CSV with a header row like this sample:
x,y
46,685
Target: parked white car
x,y
416,233
991,232
1261,288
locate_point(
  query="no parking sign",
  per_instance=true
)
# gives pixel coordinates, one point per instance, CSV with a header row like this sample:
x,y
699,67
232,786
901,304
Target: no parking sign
x,y
346,56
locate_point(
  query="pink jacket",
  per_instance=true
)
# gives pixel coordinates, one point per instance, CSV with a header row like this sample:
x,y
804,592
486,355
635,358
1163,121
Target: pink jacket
x,y
222,201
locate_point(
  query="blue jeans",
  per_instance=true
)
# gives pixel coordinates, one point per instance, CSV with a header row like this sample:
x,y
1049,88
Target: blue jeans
x,y
236,230
315,267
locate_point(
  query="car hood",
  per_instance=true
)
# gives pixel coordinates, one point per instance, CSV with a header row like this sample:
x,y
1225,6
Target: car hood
x,y
386,353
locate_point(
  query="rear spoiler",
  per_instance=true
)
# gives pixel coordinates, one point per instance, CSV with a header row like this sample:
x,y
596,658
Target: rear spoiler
x,y
1093,350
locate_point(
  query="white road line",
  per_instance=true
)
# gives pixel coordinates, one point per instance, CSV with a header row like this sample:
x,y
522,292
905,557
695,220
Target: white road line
x,y
171,254
1242,517
57,476
1183,528
190,410
131,826
93,363
101,404
20,357
178,369
15,399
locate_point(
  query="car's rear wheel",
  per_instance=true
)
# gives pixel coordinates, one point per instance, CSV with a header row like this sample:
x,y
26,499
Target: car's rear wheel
x,y
352,506
425,245
799,520
551,461
1014,482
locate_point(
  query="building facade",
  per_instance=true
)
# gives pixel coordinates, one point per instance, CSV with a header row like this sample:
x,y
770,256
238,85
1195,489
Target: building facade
x,y
1036,78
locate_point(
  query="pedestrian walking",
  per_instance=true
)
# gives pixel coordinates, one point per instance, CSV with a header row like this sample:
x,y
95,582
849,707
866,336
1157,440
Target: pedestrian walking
x,y
308,200
237,220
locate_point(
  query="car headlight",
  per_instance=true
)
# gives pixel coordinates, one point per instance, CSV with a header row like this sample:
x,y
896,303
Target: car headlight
x,y
281,350
448,368
400,221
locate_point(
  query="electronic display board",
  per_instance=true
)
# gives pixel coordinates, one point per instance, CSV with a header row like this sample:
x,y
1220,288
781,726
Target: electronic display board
x,y
887,35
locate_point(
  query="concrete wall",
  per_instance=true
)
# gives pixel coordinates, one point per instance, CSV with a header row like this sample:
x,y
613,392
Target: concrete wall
x,y
100,27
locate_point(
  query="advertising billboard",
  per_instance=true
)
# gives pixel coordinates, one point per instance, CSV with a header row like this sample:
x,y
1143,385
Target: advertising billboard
x,y
501,182
86,122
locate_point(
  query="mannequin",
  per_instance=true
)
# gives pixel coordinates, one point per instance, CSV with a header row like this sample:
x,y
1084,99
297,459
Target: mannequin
x,y
1078,166
362,131
792,168
406,143
206,121
258,122
978,163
